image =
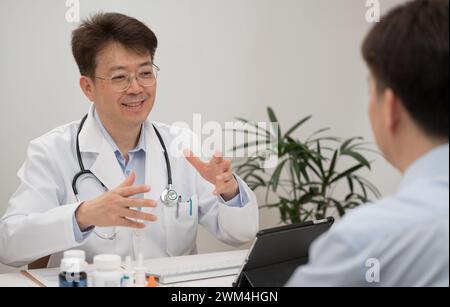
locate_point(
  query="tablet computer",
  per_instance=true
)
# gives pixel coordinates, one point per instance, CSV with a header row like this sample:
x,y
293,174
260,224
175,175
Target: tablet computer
x,y
277,252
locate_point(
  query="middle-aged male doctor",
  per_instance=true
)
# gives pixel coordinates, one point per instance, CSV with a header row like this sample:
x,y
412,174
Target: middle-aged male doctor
x,y
136,199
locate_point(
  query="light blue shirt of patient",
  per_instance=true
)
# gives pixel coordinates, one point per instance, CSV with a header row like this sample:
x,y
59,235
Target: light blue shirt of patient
x,y
402,240
137,163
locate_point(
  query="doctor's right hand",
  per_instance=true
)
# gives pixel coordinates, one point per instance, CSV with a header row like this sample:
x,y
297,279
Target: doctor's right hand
x,y
114,207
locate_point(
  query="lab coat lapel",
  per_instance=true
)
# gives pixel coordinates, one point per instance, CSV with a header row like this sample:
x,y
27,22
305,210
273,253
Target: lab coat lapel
x,y
155,165
155,177
105,167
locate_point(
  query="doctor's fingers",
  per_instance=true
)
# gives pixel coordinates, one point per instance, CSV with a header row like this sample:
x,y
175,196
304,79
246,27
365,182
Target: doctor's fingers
x,y
137,203
124,222
195,161
225,177
224,182
225,165
223,187
137,215
129,181
217,158
134,190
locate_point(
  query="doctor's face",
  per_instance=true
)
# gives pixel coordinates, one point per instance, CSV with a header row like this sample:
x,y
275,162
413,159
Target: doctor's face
x,y
128,108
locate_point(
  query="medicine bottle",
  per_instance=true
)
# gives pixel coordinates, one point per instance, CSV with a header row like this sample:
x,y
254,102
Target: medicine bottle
x,y
72,273
107,271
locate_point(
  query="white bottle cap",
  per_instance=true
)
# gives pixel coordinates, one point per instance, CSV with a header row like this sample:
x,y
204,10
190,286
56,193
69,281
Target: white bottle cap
x,y
72,265
107,262
74,253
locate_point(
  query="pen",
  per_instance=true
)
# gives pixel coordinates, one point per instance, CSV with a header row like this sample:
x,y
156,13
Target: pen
x,y
190,206
178,206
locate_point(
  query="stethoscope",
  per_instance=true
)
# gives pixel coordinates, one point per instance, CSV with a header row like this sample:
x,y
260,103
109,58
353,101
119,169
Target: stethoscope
x,y
169,195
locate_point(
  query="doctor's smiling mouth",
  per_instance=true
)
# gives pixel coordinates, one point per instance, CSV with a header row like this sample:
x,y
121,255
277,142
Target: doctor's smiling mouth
x,y
112,172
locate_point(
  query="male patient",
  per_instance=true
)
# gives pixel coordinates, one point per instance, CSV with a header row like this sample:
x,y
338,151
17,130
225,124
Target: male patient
x,y
402,240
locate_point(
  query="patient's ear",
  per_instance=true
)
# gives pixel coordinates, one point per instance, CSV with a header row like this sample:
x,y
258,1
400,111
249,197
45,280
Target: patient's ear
x,y
87,87
391,110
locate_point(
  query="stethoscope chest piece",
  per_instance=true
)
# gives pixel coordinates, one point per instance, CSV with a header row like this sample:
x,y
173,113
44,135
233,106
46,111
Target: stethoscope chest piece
x,y
169,197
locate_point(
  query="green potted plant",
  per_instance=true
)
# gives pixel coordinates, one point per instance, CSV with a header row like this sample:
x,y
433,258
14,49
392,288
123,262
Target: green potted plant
x,y
307,172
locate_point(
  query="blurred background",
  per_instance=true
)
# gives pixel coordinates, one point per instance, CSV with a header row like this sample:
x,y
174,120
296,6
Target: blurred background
x,y
219,58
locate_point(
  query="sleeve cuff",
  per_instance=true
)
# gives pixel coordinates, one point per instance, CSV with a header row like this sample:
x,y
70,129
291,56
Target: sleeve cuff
x,y
80,236
239,200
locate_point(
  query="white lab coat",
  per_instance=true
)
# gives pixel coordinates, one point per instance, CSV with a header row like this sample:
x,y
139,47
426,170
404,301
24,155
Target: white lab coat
x,y
39,220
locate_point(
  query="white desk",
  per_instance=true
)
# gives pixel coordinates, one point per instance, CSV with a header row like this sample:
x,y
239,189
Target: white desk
x,y
16,280
48,277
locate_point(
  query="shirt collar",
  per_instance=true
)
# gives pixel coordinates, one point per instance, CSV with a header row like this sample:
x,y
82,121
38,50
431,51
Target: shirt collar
x,y
141,143
433,164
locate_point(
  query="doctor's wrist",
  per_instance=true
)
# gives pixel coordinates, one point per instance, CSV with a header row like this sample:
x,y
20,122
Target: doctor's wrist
x,y
227,196
81,218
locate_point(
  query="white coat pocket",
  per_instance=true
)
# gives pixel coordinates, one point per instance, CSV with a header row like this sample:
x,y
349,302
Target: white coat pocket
x,y
181,227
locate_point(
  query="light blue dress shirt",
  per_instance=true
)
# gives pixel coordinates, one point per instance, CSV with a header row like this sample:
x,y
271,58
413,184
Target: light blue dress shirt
x,y
137,163
401,240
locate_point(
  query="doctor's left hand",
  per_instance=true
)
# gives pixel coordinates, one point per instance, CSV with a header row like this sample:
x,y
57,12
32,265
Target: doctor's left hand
x,y
218,172
114,208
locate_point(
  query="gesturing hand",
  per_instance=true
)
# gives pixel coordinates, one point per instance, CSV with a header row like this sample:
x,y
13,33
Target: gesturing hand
x,y
114,207
218,172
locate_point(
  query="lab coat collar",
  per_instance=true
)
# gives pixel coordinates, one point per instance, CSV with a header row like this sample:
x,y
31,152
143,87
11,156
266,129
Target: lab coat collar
x,y
140,145
91,139
106,167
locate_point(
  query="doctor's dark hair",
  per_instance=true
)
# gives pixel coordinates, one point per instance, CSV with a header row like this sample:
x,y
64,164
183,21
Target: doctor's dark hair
x,y
101,29
407,51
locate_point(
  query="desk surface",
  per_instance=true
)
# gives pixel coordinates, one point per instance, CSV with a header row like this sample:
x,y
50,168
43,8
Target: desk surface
x,y
16,280
24,280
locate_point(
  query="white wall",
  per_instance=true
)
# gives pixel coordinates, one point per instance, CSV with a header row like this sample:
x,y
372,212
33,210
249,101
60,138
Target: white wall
x,y
220,58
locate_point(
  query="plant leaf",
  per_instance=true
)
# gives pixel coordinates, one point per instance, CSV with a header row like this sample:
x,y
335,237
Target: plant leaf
x,y
370,186
346,173
339,207
273,119
350,184
276,175
346,143
358,157
297,125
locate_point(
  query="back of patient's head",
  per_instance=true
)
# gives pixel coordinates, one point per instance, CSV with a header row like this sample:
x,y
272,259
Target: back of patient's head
x,y
407,52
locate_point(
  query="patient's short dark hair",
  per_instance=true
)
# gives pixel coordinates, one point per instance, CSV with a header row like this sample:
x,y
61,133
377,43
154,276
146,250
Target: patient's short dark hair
x,y
97,31
408,52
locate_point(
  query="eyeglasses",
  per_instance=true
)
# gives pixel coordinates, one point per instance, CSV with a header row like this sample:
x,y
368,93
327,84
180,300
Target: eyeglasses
x,y
121,81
